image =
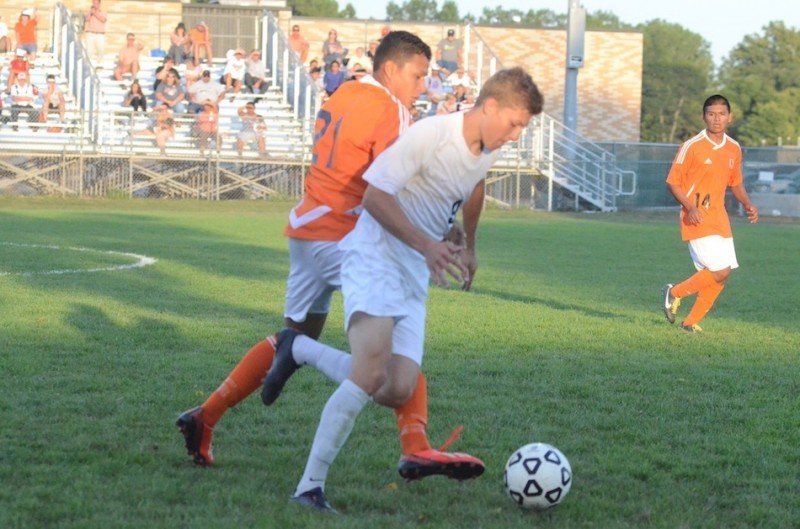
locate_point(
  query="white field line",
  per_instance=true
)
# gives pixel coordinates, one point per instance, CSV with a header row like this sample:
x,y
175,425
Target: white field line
x,y
140,260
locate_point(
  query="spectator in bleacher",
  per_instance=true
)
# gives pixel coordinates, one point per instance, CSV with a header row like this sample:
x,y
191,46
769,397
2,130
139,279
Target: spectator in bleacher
x,y
434,88
372,47
298,43
449,53
460,78
385,30
25,32
170,94
332,50
206,125
206,89
5,39
167,67
161,127
316,77
255,75
23,98
460,92
54,99
253,129
360,58
19,64
469,101
200,39
448,105
94,31
313,63
136,98
128,61
180,47
357,73
192,71
333,78
235,68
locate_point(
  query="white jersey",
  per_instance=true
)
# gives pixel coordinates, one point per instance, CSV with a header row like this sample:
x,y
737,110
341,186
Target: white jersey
x,y
431,172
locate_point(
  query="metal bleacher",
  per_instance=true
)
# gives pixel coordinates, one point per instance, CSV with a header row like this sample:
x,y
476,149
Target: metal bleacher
x,y
68,135
118,127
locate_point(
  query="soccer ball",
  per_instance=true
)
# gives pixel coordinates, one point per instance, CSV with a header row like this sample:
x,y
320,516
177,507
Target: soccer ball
x,y
537,476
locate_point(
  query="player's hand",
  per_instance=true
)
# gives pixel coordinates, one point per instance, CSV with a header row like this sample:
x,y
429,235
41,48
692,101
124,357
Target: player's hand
x,y
456,235
470,261
694,216
752,213
443,259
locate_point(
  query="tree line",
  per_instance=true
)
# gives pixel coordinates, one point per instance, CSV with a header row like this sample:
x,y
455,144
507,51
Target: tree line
x,y
760,76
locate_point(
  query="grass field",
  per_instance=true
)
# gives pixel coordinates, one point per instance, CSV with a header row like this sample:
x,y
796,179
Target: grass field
x,y
562,340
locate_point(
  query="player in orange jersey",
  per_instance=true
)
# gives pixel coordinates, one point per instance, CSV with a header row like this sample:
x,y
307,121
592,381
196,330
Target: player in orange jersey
x,y
704,167
358,123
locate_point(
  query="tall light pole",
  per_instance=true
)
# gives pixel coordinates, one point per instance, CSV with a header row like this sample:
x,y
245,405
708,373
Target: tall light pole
x,y
576,30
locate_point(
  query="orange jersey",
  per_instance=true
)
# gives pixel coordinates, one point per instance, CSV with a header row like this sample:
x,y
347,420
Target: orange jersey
x,y
356,124
704,170
26,32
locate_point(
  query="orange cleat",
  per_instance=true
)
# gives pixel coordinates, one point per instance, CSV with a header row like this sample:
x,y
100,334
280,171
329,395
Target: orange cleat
x,y
432,462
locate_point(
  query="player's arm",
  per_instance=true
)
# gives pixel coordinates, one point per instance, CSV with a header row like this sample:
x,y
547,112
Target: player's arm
x,y
740,193
693,213
440,256
471,215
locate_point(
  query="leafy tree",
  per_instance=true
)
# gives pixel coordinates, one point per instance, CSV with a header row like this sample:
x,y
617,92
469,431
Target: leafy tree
x,y
420,10
348,12
315,8
677,72
542,18
605,20
449,12
761,76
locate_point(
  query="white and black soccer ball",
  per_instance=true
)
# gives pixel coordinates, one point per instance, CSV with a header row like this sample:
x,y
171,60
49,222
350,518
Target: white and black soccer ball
x,y
537,476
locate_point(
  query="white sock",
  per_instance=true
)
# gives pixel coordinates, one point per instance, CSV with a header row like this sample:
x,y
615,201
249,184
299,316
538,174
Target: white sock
x,y
333,363
337,421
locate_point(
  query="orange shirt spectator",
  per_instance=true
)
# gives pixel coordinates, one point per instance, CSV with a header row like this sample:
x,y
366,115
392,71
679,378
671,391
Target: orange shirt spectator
x,y
200,38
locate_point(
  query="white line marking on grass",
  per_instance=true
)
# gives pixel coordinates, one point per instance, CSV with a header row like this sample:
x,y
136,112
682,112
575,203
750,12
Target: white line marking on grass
x,y
141,260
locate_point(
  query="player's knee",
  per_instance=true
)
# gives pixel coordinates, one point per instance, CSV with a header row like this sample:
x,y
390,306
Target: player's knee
x,y
720,276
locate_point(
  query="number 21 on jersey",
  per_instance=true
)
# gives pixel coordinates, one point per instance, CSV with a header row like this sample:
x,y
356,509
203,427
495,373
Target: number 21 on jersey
x,y
326,118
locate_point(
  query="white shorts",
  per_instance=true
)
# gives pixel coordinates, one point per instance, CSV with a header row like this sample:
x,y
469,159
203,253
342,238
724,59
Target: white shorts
x,y
377,287
713,252
313,277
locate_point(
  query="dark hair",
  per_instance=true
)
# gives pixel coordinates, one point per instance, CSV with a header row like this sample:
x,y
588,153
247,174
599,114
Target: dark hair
x,y
399,47
180,26
136,84
515,88
716,99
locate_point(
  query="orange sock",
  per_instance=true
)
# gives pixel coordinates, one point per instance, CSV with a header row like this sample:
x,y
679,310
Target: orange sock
x,y
696,283
705,300
412,419
245,378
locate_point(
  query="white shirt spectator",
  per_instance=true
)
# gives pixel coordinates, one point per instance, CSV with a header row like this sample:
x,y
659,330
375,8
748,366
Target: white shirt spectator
x,y
459,77
236,67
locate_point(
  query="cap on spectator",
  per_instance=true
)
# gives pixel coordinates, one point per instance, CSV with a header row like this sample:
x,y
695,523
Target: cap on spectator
x,y
239,51
435,66
206,73
22,75
451,32
28,12
209,103
21,52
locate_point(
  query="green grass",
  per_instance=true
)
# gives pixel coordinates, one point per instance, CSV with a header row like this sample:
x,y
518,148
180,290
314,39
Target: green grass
x,y
562,340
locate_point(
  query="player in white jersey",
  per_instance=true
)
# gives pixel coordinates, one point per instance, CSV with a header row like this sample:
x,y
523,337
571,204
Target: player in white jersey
x,y
416,188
